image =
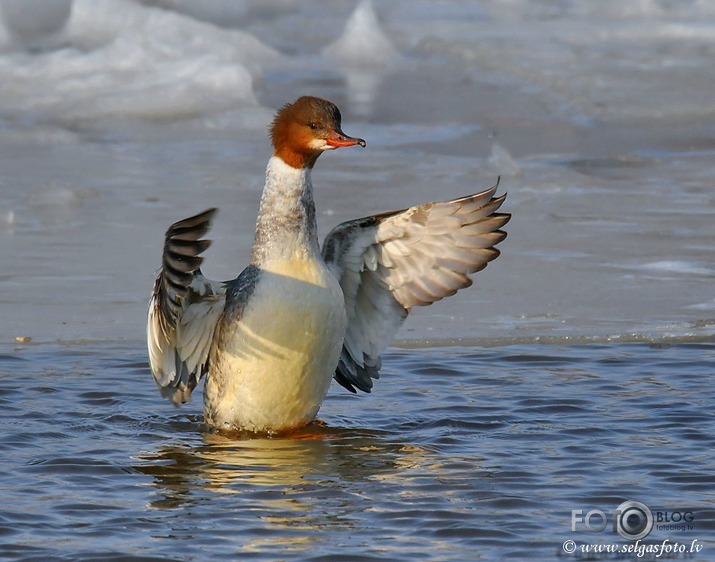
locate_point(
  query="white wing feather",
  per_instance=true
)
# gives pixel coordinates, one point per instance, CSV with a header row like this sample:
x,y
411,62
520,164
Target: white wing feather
x,y
183,311
389,263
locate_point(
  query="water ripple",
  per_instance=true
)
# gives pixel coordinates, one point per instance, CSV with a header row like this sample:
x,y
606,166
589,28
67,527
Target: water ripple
x,y
459,453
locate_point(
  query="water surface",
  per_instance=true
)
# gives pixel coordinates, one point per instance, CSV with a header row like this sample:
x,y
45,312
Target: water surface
x,y
459,453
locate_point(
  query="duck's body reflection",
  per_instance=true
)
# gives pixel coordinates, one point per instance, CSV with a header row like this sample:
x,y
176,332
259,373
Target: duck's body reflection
x,y
228,464
282,496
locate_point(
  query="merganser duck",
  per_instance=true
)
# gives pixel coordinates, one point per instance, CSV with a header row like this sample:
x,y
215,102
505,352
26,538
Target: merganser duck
x,y
271,340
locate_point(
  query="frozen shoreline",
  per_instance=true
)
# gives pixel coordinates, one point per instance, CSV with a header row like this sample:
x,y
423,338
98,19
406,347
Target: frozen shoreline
x,y
609,167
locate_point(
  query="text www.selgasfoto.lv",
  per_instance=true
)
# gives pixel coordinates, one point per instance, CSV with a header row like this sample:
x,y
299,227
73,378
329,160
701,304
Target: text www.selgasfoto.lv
x,y
666,549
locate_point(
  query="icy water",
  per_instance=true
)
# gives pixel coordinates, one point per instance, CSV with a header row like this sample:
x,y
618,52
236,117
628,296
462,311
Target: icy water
x,y
575,375
461,454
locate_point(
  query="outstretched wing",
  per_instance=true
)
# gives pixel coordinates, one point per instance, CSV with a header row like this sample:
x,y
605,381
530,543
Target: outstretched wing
x,y
183,310
389,263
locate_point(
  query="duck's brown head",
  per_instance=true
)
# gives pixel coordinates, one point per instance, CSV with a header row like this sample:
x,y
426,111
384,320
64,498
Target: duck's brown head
x,y
302,130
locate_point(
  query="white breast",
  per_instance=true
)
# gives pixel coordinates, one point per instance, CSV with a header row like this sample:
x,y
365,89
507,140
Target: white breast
x,y
275,365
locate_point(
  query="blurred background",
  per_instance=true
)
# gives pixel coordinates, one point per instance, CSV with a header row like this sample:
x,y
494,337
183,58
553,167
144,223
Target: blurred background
x,y
119,117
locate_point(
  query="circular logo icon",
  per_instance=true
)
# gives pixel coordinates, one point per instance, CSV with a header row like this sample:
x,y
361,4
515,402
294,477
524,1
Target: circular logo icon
x,y
634,520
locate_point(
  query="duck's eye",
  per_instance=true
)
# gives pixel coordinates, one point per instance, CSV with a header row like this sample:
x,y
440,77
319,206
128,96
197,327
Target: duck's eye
x,y
313,126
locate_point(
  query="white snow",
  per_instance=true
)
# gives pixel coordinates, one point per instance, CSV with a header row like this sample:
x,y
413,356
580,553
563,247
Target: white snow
x,y
119,117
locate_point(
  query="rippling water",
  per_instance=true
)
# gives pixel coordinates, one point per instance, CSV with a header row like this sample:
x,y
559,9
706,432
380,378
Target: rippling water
x,y
460,453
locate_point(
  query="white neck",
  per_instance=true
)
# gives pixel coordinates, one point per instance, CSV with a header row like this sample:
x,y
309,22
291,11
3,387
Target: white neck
x,y
286,219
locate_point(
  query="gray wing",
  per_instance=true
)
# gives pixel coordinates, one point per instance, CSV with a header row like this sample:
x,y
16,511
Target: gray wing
x,y
183,310
389,263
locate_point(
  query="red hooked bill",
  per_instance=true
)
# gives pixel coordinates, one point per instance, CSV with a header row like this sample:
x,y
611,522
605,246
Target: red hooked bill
x,y
338,139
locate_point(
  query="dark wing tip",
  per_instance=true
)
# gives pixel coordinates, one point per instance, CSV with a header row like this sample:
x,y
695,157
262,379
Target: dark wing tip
x,y
181,260
200,222
350,375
